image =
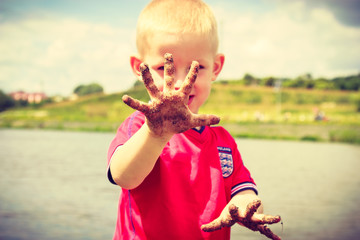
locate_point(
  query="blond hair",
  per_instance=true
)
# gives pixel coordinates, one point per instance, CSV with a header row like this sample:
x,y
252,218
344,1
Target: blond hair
x,y
176,17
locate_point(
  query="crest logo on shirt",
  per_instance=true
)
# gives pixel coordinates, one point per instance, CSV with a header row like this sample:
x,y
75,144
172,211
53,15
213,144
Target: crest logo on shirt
x,y
226,161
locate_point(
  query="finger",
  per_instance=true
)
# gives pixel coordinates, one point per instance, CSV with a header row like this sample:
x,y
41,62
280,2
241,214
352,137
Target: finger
x,y
263,229
266,219
212,226
251,209
187,85
199,120
234,212
148,80
135,104
169,72
218,223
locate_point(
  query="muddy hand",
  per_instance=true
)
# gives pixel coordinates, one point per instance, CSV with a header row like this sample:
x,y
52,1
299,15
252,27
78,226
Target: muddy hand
x,y
168,113
249,220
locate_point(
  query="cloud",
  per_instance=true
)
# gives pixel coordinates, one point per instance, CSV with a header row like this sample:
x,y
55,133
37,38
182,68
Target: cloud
x,y
347,12
287,41
56,54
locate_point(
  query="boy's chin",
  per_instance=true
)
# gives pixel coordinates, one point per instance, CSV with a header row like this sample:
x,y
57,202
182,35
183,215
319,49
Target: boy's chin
x,y
193,110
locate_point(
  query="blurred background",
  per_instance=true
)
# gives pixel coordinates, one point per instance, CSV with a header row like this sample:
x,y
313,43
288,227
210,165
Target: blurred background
x,y
289,93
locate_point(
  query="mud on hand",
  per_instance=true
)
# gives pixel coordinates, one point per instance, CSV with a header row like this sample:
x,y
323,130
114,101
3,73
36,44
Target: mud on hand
x,y
168,113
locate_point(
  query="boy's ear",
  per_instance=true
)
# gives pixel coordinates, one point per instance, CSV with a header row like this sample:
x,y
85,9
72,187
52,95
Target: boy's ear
x,y
218,65
135,62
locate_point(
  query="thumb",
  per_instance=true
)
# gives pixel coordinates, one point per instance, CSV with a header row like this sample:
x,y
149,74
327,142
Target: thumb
x,y
218,223
204,120
212,226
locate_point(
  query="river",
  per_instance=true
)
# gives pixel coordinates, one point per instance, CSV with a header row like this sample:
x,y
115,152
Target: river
x,y
53,186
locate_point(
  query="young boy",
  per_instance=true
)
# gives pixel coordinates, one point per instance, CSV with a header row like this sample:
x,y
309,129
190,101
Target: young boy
x,y
179,178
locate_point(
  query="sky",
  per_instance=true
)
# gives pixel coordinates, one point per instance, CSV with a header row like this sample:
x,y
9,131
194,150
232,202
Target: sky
x,y
54,46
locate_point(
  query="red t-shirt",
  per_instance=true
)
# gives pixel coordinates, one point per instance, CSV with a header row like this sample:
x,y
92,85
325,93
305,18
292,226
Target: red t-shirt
x,y
194,178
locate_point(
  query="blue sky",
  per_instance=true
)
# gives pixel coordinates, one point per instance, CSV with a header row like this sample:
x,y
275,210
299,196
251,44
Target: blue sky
x,y
54,46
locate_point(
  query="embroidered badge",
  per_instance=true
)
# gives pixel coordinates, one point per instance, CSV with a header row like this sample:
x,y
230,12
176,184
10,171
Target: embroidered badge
x,y
226,161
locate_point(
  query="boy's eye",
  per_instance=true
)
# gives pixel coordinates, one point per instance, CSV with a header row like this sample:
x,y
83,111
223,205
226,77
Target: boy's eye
x,y
200,67
161,68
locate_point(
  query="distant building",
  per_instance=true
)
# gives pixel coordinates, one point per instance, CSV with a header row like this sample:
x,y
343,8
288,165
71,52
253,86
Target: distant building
x,y
19,95
28,97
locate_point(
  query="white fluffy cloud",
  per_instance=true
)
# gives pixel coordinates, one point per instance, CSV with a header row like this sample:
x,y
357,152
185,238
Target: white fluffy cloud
x,y
287,42
57,54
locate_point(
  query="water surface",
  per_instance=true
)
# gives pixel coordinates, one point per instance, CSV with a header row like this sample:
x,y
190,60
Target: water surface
x,y
53,186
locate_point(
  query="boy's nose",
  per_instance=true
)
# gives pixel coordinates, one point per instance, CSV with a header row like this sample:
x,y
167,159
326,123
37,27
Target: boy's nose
x,y
179,79
178,83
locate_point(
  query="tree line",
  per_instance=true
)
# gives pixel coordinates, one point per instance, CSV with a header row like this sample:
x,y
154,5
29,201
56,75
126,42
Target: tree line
x,y
6,101
306,81
91,88
349,83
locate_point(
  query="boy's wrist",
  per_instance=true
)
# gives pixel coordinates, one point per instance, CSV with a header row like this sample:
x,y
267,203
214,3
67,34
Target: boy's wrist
x,y
164,137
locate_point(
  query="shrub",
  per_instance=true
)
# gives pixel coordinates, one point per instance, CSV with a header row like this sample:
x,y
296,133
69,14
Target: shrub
x,y
347,136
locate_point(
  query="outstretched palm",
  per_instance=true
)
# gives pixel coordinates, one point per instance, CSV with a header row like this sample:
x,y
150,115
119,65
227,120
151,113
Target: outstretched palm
x,y
168,113
248,218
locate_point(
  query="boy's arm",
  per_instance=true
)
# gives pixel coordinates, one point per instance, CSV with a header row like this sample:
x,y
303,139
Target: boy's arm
x,y
166,115
246,209
133,161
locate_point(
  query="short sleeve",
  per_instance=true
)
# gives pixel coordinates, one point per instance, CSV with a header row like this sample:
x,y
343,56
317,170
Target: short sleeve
x,y
242,179
128,128
238,177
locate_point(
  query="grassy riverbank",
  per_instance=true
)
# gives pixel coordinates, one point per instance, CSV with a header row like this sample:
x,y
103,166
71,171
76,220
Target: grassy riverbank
x,y
252,112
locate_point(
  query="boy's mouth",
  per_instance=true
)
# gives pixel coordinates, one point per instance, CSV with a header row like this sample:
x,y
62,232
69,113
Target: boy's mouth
x,y
191,97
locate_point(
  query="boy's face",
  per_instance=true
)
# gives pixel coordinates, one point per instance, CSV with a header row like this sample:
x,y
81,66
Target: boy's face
x,y
184,51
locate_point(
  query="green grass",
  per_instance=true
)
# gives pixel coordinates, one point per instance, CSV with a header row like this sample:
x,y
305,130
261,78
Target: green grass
x,y
346,135
251,112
